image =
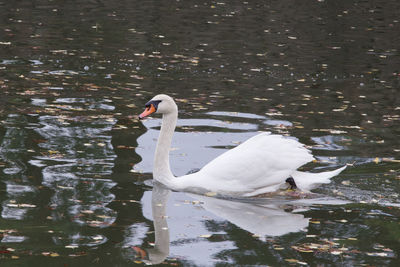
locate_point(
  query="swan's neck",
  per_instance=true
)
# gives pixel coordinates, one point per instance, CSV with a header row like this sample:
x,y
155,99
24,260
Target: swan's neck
x,y
162,171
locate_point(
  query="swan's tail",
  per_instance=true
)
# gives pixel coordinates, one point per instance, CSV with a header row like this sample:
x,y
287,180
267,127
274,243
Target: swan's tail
x,y
307,180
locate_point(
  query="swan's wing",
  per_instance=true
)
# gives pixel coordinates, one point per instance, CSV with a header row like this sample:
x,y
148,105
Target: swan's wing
x,y
261,164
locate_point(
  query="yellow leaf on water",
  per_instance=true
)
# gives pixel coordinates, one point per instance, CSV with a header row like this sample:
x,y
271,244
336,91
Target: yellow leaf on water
x,y
391,160
210,194
205,236
345,182
103,216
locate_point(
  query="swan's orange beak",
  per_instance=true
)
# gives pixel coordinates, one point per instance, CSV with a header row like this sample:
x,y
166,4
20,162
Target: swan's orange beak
x,y
150,109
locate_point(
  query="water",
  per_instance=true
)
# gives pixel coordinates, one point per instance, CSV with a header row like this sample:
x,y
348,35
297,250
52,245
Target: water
x,y
75,163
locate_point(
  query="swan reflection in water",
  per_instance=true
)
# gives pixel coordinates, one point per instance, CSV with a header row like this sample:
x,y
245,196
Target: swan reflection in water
x,y
261,217
159,198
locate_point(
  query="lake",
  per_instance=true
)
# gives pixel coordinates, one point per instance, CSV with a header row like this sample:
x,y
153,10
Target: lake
x,y
76,164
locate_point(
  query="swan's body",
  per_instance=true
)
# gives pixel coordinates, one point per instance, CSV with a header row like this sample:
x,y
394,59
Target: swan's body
x,y
257,166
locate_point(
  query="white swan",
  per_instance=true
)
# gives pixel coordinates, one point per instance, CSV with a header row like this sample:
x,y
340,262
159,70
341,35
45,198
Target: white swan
x,y
260,165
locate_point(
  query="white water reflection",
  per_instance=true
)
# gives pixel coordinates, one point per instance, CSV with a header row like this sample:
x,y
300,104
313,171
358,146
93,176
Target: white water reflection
x,y
182,223
177,227
330,142
261,219
77,240
13,239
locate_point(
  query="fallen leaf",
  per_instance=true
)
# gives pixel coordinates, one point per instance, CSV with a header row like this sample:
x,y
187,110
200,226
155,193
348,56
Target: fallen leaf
x,y
205,236
210,194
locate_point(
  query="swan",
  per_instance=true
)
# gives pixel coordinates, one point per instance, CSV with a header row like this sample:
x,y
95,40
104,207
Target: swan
x,y
262,164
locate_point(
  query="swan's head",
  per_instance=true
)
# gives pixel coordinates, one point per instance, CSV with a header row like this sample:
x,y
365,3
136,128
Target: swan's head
x,y
159,104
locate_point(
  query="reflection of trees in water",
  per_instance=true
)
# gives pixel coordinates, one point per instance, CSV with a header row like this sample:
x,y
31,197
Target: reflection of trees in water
x,y
20,191
77,155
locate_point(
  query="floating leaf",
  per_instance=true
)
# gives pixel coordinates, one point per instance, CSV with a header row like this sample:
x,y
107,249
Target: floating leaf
x,y
210,194
87,211
302,249
205,236
345,182
377,254
98,237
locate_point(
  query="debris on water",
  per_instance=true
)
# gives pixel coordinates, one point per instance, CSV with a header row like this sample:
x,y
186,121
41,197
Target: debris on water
x,y
210,194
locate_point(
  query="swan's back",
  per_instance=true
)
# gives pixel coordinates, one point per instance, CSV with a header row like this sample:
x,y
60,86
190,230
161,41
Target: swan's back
x,y
261,164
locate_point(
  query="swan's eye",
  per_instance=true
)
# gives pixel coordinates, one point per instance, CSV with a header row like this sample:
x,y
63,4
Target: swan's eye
x,y
153,103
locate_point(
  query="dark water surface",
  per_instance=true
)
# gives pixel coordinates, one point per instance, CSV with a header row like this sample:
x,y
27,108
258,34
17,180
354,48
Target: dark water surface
x,y
75,163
